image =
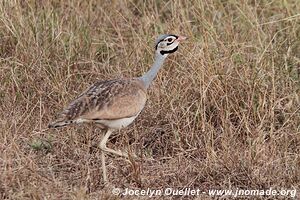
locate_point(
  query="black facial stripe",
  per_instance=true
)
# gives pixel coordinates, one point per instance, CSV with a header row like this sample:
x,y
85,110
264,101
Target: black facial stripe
x,y
174,36
168,36
164,39
168,52
169,43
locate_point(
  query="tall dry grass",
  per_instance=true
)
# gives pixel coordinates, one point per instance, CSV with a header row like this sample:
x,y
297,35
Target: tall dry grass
x,y
223,113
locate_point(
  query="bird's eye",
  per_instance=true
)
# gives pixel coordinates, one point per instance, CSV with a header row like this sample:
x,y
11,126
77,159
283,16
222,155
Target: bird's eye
x,y
170,40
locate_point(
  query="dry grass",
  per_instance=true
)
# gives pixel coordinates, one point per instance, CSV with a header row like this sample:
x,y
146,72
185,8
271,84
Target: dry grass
x,y
223,113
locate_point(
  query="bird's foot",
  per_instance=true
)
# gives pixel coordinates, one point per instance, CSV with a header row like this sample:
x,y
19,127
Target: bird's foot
x,y
108,185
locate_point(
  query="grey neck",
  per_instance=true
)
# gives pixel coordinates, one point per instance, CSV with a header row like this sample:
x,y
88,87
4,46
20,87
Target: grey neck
x,y
148,77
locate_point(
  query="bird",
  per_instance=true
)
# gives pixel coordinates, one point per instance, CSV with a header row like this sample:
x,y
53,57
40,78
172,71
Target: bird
x,y
115,104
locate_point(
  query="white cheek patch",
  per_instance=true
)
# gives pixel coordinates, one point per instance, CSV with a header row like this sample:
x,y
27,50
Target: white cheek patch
x,y
171,46
162,45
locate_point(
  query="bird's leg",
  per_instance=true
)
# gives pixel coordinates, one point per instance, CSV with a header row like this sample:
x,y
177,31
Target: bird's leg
x,y
104,148
103,166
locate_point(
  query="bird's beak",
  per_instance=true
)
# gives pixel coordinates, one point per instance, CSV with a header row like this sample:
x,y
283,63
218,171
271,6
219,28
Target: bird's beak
x,y
181,38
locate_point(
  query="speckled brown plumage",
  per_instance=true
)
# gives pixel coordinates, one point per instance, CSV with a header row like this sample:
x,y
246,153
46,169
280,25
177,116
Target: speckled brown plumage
x,y
105,100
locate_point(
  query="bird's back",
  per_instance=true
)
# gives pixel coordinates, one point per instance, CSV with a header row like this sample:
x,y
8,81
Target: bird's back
x,y
106,102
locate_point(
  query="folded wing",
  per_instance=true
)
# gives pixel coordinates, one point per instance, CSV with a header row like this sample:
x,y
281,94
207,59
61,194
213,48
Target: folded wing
x,y
105,100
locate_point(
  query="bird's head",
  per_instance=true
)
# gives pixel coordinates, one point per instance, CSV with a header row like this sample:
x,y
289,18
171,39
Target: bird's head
x,y
167,44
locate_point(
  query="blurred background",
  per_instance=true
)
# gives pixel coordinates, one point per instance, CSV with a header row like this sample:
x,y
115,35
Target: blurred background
x,y
223,112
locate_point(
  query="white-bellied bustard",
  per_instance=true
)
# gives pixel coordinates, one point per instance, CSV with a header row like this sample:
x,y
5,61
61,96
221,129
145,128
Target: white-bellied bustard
x,y
114,104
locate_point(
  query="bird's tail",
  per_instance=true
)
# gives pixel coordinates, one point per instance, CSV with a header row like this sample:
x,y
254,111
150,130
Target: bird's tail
x,y
60,123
